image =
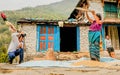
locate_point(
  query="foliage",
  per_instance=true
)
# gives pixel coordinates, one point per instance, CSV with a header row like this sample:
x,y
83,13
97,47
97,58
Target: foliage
x,y
53,11
4,41
2,29
3,58
3,54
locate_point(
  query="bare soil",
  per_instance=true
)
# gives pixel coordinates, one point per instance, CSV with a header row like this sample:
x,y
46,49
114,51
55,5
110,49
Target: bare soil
x,y
93,67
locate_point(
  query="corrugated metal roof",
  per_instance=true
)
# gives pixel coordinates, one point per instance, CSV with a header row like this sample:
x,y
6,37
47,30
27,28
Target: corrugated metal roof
x,y
70,7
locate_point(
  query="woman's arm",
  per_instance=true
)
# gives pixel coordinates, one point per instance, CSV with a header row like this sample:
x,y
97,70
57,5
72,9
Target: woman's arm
x,y
96,17
11,26
90,20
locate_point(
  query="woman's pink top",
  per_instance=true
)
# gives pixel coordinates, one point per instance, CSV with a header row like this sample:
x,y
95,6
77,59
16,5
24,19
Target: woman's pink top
x,y
95,26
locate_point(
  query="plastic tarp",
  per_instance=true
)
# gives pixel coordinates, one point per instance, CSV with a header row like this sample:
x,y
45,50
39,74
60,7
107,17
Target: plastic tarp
x,y
49,63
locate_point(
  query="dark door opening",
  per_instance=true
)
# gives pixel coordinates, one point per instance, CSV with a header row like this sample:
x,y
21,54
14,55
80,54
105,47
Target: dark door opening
x,y
68,42
119,34
106,31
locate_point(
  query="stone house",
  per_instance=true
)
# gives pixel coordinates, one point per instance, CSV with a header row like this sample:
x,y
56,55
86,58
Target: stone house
x,y
71,35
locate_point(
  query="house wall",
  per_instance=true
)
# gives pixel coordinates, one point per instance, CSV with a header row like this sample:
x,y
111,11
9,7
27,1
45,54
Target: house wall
x,y
84,44
30,39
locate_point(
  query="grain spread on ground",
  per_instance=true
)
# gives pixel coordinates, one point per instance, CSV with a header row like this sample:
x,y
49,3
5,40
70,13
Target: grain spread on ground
x,y
90,63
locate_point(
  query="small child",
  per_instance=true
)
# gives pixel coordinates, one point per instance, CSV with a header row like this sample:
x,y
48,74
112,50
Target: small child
x,y
109,47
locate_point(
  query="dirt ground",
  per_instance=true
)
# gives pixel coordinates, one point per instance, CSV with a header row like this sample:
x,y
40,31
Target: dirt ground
x,y
96,68
13,70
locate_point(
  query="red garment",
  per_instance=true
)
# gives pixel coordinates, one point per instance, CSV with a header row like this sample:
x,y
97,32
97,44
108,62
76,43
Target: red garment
x,y
95,26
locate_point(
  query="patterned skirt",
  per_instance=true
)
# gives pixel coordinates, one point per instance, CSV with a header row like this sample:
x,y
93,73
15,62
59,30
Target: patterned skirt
x,y
94,48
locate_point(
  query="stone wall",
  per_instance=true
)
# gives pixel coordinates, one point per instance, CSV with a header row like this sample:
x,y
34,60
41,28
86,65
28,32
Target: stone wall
x,y
97,6
30,39
84,44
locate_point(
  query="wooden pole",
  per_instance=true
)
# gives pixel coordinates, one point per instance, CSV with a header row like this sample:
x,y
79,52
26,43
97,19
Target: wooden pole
x,y
83,9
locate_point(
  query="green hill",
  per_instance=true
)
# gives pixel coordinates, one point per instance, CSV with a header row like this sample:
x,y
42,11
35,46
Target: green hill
x,y
59,10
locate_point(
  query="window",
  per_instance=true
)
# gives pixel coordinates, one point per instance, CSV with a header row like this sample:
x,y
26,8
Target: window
x,y
110,15
48,37
110,10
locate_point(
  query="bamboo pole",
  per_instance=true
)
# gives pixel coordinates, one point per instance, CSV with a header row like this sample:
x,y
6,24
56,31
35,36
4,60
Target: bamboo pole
x,y
83,9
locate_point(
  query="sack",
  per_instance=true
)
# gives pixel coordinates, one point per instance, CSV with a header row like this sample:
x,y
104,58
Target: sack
x,y
50,54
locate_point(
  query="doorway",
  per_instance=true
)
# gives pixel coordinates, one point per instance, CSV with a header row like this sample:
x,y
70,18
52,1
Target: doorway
x,y
114,33
68,39
119,34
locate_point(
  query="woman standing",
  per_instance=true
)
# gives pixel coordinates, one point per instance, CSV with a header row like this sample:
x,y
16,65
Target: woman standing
x,y
94,35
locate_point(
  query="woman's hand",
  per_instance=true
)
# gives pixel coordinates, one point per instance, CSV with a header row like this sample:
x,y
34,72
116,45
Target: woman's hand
x,y
93,12
86,6
8,23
